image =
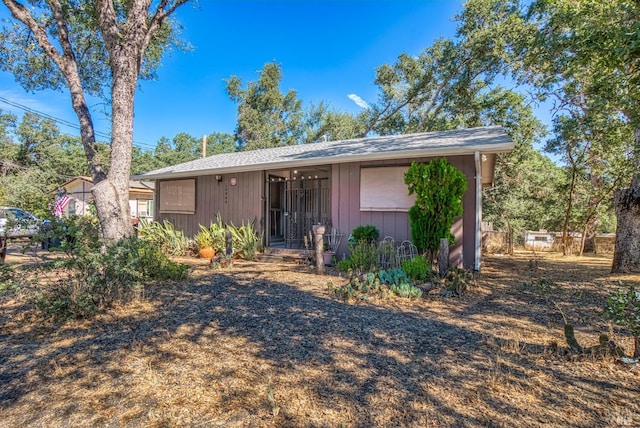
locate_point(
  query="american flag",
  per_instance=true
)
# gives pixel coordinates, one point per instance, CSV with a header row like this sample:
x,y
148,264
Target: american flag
x,y
61,203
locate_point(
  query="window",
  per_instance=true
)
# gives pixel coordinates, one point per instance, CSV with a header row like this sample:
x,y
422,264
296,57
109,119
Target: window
x,y
383,189
178,196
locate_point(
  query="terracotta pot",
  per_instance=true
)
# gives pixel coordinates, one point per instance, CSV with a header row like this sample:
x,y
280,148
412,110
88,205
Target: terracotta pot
x,y
207,252
328,257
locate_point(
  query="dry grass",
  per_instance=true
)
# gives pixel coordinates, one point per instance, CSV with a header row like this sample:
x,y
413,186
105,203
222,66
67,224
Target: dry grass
x,y
266,345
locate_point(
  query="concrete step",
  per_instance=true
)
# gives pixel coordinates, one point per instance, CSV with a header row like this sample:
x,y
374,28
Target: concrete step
x,y
280,255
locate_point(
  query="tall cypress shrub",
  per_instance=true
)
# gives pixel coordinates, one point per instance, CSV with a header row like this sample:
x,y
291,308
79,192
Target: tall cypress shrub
x,y
438,187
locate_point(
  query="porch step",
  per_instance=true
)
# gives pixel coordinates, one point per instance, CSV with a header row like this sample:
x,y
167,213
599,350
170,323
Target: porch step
x,y
280,255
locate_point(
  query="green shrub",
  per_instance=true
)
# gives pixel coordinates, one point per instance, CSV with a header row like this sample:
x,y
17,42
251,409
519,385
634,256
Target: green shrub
x,y
623,308
418,269
364,233
95,275
203,238
364,256
439,187
344,265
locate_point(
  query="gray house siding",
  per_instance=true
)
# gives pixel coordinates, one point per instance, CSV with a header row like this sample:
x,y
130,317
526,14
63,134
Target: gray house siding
x,y
245,202
236,204
346,214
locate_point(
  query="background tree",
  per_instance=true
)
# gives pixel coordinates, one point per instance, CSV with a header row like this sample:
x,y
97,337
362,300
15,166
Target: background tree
x,y
266,116
442,87
324,124
592,145
571,49
37,158
8,150
99,48
525,194
220,142
182,148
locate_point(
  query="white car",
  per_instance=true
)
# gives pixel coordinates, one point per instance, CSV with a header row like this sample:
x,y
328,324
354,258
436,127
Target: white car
x,y
17,223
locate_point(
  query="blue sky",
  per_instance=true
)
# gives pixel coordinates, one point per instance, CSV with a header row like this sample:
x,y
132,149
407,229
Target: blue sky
x,y
327,50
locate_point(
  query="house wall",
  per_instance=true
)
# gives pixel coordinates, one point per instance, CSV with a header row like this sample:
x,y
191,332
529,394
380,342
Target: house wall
x,y
538,240
80,193
346,214
141,204
236,204
245,202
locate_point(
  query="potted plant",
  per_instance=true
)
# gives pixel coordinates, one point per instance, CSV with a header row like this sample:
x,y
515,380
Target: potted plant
x,y
328,257
205,241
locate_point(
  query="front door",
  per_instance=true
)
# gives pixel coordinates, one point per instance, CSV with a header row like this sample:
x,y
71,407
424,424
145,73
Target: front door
x,y
295,205
276,210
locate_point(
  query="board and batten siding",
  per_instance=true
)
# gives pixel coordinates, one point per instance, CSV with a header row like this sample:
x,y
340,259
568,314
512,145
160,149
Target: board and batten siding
x,y
346,213
236,204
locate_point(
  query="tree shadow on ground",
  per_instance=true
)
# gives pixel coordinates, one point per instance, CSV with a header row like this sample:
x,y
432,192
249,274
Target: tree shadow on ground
x,y
326,363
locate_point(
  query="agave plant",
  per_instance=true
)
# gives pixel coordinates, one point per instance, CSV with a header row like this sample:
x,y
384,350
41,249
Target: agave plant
x,y
245,240
165,236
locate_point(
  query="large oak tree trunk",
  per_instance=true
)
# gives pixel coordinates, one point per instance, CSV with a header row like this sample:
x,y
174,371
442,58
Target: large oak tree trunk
x,y
626,257
126,42
112,194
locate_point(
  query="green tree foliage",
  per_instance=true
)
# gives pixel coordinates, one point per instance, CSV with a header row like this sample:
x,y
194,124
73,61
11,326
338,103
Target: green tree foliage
x,y
182,148
590,144
36,159
526,193
438,187
220,142
8,150
101,48
443,87
584,55
324,124
266,116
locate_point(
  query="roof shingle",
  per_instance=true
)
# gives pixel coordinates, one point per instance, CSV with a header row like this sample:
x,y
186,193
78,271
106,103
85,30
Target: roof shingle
x,y
491,139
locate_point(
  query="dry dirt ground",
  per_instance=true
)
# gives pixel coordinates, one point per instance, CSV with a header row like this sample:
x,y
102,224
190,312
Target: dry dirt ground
x,y
265,345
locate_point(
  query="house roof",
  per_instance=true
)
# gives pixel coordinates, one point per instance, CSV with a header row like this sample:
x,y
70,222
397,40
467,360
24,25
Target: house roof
x,y
491,139
140,186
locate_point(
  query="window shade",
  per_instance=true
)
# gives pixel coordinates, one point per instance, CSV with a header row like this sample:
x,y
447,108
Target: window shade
x,y
383,189
178,196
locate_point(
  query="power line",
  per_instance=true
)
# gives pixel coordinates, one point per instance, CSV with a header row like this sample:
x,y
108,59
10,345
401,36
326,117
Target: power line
x,y
66,122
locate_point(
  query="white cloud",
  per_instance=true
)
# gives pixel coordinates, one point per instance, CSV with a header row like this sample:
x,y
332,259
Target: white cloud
x,y
359,101
19,101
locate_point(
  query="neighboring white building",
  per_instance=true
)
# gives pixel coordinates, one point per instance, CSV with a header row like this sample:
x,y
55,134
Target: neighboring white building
x,y
544,240
538,240
79,190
